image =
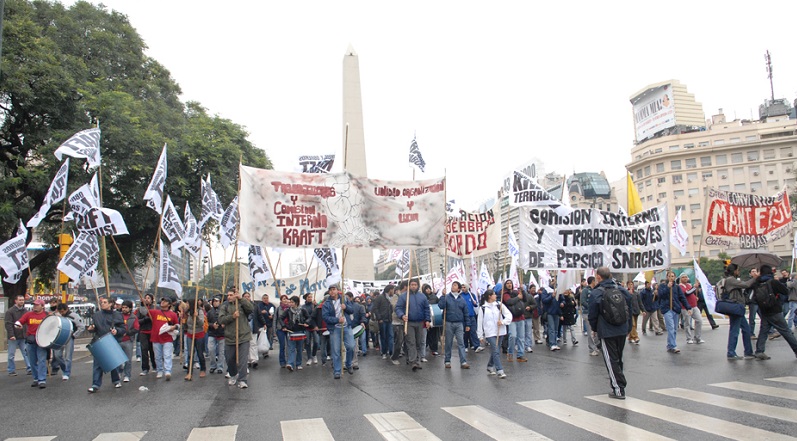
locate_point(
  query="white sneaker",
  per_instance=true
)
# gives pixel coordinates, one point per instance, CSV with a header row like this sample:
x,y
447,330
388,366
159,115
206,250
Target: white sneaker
x,y
298,368
227,375
243,385
315,360
424,360
384,357
309,362
160,375
501,375
491,371
689,341
65,378
126,380
232,380
466,350
480,348
138,358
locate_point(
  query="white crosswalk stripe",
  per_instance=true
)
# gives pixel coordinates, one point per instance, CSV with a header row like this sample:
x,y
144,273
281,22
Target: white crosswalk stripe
x,y
219,433
758,389
754,408
591,422
311,429
493,425
716,426
120,436
789,380
32,438
398,426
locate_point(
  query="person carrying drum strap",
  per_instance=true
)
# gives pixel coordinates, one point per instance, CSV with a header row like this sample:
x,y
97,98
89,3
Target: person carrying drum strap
x,y
105,321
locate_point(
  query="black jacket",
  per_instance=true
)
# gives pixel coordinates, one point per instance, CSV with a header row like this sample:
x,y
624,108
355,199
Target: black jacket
x,y
105,320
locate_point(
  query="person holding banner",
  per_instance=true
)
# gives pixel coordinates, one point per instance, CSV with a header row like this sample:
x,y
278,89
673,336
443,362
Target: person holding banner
x,y
105,321
216,339
236,310
670,298
16,336
336,312
413,309
455,310
733,290
37,354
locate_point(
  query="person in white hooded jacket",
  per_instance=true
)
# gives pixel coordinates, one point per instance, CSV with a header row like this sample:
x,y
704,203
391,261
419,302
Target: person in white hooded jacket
x,y
493,321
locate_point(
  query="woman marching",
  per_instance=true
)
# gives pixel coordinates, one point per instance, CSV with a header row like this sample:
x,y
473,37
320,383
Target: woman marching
x,y
493,321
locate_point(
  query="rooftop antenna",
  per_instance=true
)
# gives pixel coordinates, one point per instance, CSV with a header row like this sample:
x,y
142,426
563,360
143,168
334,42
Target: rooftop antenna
x,y
769,74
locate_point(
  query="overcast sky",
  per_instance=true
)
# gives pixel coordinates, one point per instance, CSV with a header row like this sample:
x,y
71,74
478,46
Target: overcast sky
x,y
485,86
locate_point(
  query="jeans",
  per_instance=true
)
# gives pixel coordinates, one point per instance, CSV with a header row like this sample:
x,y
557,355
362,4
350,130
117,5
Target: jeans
x,y
528,328
671,321
776,321
752,311
517,338
295,352
38,362
398,341
163,357
238,367
12,352
282,336
216,353
792,311
736,322
311,344
472,336
348,343
386,338
125,369
324,347
97,375
584,321
199,353
552,329
364,343
455,329
495,353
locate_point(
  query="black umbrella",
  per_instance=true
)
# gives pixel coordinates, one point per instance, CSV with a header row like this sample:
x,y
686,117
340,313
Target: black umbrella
x,y
755,258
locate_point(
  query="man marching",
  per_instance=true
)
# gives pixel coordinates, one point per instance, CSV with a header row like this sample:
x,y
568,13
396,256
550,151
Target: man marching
x,y
455,310
36,354
336,312
416,316
105,321
236,310
16,337
62,356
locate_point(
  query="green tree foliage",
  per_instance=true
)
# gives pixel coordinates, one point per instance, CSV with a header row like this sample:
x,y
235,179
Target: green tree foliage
x,y
68,69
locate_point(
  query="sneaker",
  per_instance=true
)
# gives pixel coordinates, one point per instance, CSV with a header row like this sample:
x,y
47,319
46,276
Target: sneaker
x,y
490,371
138,358
232,381
501,375
143,373
337,376
315,360
242,385
674,350
289,368
528,349
749,357
762,356
415,367
539,342
219,371
298,368
65,377
689,341
34,384
615,396
384,356
42,385
396,362
309,362
159,376
521,360
594,353
660,333
575,342
714,327
556,348
466,350
93,389
118,385
735,357
168,377
350,370
126,380
424,360
12,374
699,341
479,349
552,348
564,342
464,366
227,375
586,333
448,365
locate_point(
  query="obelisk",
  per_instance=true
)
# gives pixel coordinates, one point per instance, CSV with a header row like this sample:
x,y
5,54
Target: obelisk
x,y
359,262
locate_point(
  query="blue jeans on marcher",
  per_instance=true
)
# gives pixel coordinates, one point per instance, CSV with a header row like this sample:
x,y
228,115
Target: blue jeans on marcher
x,y
295,352
517,338
552,329
792,310
311,344
38,362
12,352
282,336
671,321
348,343
472,336
386,337
752,312
736,322
163,357
216,354
495,353
455,329
97,375
127,367
62,357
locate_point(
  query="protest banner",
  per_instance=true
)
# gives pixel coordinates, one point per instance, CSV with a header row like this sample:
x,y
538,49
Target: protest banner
x,y
82,257
101,221
474,234
590,238
55,193
154,194
172,227
83,145
747,221
290,286
14,255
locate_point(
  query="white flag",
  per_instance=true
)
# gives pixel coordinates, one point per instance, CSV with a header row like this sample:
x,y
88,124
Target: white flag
x,y
527,192
329,259
81,201
545,279
474,273
154,193
211,205
709,294
532,280
101,221
193,236
55,193
14,254
83,145
485,280
172,226
393,255
167,276
514,249
257,265
678,235
416,158
229,224
403,264
513,274
82,257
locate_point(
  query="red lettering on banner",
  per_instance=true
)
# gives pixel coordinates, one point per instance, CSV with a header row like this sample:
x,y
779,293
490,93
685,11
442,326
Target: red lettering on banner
x,y
736,217
299,238
404,218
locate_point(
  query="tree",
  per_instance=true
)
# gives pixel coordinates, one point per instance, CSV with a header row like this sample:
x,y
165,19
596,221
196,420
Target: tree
x,y
68,69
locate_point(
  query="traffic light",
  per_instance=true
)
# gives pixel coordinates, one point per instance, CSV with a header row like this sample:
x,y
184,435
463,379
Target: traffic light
x,y
64,241
727,262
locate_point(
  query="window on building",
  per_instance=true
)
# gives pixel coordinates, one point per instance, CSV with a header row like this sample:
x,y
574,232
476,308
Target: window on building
x,y
648,183
741,188
705,161
693,192
707,175
738,174
722,159
735,139
675,147
677,179
694,207
755,187
785,152
752,155
691,177
737,158
749,138
680,207
608,207
724,188
691,145
660,167
696,238
650,198
678,193
639,174
769,153
697,223
647,170
754,170
675,165
714,252
663,195
719,141
722,173
691,163
703,144
640,186
658,150
772,184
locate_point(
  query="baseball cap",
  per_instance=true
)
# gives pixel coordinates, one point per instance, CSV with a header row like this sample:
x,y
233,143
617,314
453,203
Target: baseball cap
x,y
119,301
38,302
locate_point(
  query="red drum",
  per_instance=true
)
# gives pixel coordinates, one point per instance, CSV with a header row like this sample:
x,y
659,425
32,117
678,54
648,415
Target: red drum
x,y
297,336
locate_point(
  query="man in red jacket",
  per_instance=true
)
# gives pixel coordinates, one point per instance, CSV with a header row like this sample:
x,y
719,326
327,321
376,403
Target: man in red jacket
x,y
163,343
36,353
691,310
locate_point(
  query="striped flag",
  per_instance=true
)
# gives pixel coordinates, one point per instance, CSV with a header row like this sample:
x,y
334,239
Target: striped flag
x,y
416,158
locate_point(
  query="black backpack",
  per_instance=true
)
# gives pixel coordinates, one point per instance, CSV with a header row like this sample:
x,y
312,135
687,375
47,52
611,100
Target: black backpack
x,y
766,299
614,308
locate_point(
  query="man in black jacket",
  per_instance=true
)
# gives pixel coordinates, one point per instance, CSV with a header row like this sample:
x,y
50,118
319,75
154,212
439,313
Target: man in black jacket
x,y
16,336
145,332
771,315
313,340
383,313
105,321
218,363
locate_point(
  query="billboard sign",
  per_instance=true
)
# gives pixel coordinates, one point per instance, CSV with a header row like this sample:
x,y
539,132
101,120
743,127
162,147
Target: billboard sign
x,y
654,111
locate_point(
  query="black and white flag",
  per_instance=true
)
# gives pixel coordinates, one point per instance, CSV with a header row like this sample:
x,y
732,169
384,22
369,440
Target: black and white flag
x,y
154,193
211,206
193,236
415,156
167,276
172,226
403,264
316,163
14,255
82,200
100,221
527,192
81,258
257,265
329,259
229,224
55,193
82,145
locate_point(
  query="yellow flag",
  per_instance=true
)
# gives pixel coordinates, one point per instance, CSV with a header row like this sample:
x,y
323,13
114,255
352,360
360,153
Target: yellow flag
x,y
634,203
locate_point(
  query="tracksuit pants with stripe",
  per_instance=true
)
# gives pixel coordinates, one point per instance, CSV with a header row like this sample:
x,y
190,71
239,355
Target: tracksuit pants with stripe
x,y
612,349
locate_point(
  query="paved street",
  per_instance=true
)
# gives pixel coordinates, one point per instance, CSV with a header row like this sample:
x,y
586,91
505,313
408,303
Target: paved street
x,y
697,394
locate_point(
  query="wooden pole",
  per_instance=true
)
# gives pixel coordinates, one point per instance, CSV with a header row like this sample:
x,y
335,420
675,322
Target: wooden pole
x,y
236,274
407,308
58,273
343,293
140,295
193,329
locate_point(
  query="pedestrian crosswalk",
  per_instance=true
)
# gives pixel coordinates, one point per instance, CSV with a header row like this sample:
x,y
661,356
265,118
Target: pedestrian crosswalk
x,y
589,417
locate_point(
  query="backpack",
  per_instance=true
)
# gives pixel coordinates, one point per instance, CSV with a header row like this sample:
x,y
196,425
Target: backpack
x,y
517,309
614,308
767,299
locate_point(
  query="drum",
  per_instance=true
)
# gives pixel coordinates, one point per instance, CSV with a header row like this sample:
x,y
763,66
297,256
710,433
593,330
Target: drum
x,y
358,331
437,315
108,353
53,332
297,336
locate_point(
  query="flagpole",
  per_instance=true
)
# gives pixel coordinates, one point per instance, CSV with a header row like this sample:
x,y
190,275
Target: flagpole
x,y
58,273
445,243
103,248
236,274
155,244
193,330
407,308
140,295
705,219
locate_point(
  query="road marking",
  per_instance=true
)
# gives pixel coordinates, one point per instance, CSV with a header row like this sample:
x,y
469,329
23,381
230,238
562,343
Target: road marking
x,y
219,433
692,420
758,389
120,436
754,408
591,422
790,380
398,426
492,424
32,438
311,429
